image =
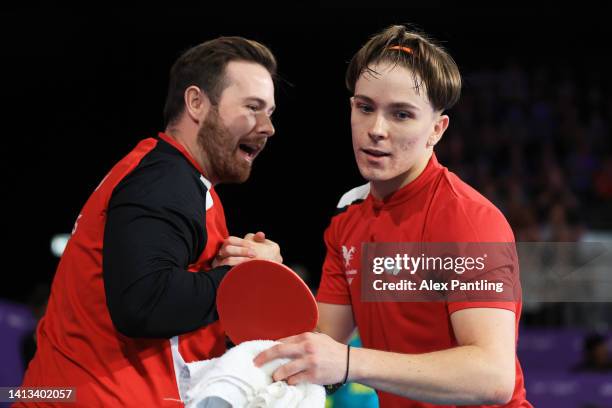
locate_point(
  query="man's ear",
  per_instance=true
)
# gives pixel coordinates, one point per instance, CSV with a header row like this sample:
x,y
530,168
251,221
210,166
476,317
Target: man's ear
x,y
197,103
439,128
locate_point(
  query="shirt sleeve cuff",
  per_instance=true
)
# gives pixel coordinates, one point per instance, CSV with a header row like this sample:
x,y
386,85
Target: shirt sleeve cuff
x,y
456,306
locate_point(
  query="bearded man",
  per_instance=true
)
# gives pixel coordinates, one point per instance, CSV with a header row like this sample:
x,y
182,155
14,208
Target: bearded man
x,y
134,293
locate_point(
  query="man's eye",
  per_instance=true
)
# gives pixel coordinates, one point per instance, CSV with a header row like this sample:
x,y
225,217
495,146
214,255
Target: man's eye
x,y
403,115
253,108
364,108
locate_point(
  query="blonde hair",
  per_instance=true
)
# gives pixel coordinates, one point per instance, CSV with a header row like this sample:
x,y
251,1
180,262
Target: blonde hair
x,y
429,63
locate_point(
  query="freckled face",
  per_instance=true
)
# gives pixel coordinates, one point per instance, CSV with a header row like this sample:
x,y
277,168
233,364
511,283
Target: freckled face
x,y
391,125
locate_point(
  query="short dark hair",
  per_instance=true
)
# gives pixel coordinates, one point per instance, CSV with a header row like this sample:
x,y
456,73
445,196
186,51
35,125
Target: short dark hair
x,y
204,66
428,61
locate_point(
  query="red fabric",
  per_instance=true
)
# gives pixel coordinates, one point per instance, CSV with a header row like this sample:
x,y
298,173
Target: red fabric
x,y
436,207
78,345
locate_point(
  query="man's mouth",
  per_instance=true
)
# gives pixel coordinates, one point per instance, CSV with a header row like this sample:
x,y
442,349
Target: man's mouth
x,y
250,150
375,153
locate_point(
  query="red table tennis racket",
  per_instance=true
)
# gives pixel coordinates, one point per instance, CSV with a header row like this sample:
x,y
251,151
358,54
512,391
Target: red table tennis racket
x,y
265,300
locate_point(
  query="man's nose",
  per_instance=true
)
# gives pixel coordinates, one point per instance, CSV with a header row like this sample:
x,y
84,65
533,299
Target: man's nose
x,y
264,125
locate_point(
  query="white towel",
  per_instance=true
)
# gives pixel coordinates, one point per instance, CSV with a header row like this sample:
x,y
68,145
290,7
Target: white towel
x,y
232,380
280,395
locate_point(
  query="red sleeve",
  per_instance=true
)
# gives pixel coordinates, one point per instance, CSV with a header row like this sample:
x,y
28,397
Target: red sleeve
x,y
334,287
474,222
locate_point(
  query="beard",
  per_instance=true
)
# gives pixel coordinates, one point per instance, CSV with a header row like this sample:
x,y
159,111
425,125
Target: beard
x,y
216,141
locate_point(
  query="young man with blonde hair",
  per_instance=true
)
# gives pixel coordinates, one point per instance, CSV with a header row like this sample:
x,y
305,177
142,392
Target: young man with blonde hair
x,y
415,353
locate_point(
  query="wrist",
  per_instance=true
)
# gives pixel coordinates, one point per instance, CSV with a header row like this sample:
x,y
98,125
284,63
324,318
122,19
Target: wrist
x,y
331,388
354,374
348,364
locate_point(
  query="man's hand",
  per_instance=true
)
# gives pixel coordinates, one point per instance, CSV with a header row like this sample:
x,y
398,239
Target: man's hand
x,y
233,251
264,248
236,250
316,358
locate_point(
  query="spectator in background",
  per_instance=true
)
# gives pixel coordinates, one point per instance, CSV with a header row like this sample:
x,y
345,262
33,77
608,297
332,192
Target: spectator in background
x,y
596,356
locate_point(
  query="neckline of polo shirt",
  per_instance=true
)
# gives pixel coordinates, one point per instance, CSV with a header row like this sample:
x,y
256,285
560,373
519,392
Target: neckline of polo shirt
x,y
174,143
410,189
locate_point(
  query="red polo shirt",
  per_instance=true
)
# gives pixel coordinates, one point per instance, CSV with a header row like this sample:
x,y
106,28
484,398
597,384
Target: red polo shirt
x,y
436,207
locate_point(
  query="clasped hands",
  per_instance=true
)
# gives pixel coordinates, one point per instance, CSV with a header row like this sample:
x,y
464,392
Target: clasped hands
x,y
236,250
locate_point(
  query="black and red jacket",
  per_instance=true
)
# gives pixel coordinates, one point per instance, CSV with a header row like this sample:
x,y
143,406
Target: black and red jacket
x,y
135,284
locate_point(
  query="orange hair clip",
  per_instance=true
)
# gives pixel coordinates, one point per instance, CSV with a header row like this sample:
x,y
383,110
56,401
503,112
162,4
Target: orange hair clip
x,y
401,48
